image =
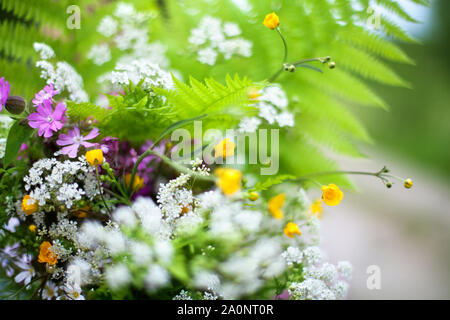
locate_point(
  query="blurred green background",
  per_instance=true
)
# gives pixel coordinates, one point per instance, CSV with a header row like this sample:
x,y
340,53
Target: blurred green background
x,y
417,125
404,232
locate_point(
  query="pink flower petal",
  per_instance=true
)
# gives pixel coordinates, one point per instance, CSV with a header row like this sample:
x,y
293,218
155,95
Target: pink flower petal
x,y
92,134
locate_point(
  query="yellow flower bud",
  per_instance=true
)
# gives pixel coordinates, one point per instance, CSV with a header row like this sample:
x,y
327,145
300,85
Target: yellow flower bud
x,y
224,148
408,183
332,195
229,180
291,230
29,205
253,196
316,208
94,157
275,205
138,182
32,228
271,21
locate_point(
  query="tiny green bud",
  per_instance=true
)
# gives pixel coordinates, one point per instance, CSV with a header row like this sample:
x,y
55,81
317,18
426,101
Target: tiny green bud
x,y
388,185
331,65
105,165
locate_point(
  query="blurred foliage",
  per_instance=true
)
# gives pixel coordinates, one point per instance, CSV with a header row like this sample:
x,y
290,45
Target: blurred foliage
x,y
325,126
417,125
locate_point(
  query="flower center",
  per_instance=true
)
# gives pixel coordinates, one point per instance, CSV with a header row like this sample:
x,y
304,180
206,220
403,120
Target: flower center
x,y
77,139
49,119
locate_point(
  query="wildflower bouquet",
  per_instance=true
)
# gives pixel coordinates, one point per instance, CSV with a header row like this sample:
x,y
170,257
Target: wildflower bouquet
x,y
102,200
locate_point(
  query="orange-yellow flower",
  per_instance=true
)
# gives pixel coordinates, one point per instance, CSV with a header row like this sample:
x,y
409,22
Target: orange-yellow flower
x,y
32,228
316,208
275,205
271,21
46,254
138,182
291,230
332,195
224,148
229,180
408,183
94,157
29,205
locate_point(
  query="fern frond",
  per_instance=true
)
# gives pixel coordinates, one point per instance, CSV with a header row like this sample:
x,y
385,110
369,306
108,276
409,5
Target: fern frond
x,y
230,101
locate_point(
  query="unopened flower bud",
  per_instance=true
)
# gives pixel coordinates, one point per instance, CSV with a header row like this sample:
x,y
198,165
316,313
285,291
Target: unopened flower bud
x,y
332,65
388,185
253,196
15,104
106,166
408,183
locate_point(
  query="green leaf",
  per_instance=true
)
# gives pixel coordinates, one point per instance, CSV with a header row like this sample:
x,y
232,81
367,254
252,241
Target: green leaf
x,y
17,135
260,186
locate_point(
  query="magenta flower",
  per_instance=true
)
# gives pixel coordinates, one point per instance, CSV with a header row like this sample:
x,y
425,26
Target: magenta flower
x,y
73,139
4,92
47,120
45,94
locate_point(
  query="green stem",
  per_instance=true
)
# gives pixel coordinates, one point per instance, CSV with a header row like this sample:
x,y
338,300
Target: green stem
x,y
100,190
275,75
379,174
284,44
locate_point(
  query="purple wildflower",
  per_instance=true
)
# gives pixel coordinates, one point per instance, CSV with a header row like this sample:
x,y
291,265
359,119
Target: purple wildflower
x,y
47,120
73,139
4,92
45,94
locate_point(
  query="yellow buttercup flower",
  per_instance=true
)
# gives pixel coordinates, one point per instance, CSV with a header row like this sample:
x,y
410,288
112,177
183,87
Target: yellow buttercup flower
x,y
224,148
229,180
29,205
408,183
32,228
94,157
332,195
291,230
46,254
271,21
316,208
275,205
138,182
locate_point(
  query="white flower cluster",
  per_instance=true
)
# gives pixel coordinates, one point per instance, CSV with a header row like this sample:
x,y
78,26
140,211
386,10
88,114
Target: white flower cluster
x,y
199,167
99,54
62,75
173,198
51,182
212,37
323,280
135,71
151,258
272,106
141,59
